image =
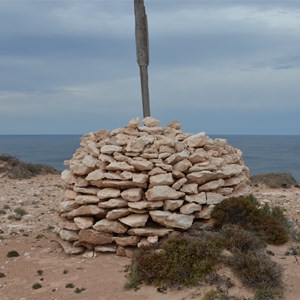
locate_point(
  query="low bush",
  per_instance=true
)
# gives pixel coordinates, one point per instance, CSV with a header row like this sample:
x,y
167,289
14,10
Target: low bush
x,y
218,295
275,180
236,237
20,211
179,262
16,169
36,286
255,269
245,212
13,253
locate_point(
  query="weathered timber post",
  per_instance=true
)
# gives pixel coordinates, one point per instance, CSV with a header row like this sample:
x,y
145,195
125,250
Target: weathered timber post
x,y
142,51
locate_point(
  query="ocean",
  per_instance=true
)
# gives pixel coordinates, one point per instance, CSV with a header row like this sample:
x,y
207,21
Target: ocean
x,y
261,153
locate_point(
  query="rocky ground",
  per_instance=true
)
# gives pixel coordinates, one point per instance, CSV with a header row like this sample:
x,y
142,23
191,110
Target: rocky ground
x,y
28,213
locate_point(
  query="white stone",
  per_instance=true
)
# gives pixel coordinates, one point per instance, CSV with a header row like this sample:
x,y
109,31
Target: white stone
x,y
171,205
214,198
92,148
106,158
86,199
119,166
235,180
110,226
150,122
190,188
162,192
152,239
141,165
122,139
205,213
113,203
70,194
113,176
126,175
134,194
66,206
140,178
179,183
110,149
84,222
107,193
203,166
68,177
117,213
69,248
89,191
231,170
87,210
162,179
149,231
201,177
68,235
66,224
80,169
135,220
172,220
198,156
106,249
197,198
127,240
182,165
197,140
81,182
146,204
165,167
138,144
90,161
211,185
134,123
190,208
156,171
96,175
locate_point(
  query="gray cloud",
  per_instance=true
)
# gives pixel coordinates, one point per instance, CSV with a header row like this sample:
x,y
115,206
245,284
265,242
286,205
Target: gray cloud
x,y
70,66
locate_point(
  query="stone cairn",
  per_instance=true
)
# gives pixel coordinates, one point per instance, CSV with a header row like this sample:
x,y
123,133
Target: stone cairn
x,y
129,187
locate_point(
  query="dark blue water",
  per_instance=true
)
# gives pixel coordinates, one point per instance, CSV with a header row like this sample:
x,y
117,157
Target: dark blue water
x,y
262,154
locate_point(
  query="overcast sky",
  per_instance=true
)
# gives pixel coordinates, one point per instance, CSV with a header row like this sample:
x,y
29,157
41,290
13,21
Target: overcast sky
x,y
224,67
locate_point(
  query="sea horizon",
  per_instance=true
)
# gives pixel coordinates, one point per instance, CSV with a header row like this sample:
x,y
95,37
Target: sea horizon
x,y
262,153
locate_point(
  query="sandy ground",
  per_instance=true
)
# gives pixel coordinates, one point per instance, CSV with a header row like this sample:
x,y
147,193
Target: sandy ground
x,y
102,277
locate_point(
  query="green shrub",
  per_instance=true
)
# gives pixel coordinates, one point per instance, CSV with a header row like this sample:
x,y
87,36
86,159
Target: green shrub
x,y
245,212
276,213
2,275
36,286
13,253
70,285
16,169
267,293
275,180
256,270
40,272
15,217
79,290
218,295
20,211
180,262
236,237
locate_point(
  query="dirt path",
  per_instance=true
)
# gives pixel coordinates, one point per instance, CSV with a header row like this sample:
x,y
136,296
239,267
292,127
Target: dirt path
x,y
102,277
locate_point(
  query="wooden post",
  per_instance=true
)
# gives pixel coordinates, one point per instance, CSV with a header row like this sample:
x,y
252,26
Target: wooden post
x,y
142,51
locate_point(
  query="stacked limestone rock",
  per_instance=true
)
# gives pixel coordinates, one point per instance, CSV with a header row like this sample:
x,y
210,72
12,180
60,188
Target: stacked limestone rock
x,y
133,185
